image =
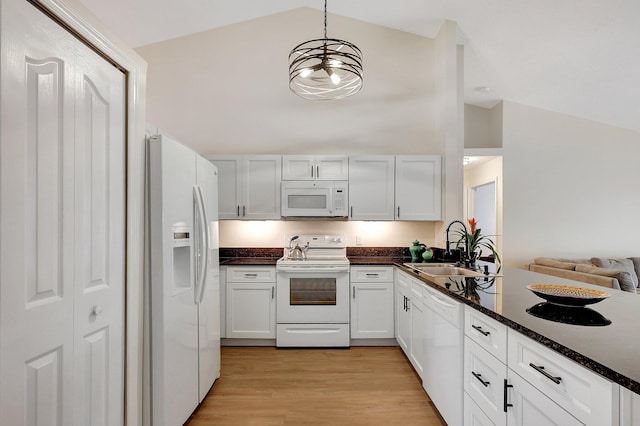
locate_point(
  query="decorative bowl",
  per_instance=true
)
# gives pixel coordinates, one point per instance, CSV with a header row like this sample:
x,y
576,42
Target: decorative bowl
x,y
567,295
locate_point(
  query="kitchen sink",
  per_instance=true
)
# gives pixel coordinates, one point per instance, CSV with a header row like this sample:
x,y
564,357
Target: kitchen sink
x,y
447,273
443,270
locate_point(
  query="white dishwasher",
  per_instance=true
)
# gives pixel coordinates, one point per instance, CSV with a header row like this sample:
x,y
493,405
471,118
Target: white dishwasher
x,y
442,375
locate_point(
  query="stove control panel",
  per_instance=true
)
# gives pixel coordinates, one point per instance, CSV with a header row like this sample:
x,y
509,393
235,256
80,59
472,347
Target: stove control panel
x,y
316,240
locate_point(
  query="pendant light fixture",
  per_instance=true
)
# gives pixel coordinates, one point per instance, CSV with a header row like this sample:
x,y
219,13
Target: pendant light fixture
x,y
325,69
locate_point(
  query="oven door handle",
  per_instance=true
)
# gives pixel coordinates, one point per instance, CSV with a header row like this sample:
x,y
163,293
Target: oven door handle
x,y
311,269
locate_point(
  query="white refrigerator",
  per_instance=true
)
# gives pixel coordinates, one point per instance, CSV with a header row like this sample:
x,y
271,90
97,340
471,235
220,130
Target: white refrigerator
x,y
184,280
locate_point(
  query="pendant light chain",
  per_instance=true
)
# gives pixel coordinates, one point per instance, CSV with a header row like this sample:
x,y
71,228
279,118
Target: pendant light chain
x,y
325,19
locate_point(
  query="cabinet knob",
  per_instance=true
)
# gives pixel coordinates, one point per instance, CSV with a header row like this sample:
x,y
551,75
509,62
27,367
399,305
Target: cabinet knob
x,y
96,310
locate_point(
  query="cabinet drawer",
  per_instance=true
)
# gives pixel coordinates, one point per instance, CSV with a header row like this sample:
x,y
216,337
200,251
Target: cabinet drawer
x,y
251,274
486,332
586,395
484,377
473,415
371,274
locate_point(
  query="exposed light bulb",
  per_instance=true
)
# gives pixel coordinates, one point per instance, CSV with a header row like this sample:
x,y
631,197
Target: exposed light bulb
x,y
335,78
305,72
335,63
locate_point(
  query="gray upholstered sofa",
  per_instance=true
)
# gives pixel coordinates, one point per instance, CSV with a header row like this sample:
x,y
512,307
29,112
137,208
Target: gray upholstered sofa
x,y
616,273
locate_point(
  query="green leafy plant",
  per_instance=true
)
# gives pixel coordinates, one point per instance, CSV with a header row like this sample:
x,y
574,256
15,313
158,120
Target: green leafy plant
x,y
477,241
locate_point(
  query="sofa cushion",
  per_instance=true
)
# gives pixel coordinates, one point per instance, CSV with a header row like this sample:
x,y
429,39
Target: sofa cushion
x,y
636,266
624,277
568,264
618,264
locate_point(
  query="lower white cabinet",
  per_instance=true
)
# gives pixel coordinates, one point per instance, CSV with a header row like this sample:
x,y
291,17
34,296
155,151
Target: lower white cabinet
x,y
586,395
484,381
251,302
535,386
629,408
403,305
410,327
473,415
417,327
372,302
443,347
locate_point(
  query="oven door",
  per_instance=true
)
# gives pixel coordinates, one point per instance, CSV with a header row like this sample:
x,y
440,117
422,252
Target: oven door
x,y
307,295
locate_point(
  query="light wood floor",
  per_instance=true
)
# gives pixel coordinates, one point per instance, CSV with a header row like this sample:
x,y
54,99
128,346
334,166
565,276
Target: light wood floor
x,y
356,386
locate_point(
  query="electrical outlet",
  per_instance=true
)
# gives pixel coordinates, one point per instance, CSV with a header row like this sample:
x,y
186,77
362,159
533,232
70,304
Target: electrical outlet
x,y
358,240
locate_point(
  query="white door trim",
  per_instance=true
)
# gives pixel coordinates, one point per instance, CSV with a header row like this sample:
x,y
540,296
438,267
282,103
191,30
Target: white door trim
x,y
85,25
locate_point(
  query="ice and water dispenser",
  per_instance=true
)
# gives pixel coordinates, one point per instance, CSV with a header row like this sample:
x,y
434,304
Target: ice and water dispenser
x,y
181,255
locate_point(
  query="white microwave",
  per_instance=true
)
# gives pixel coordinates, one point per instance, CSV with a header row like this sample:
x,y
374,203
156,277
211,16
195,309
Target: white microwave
x,y
306,198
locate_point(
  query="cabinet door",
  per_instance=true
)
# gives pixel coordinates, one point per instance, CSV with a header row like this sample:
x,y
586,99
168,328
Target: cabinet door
x,y
371,187
251,310
629,408
403,320
261,187
416,348
229,188
473,415
530,407
418,187
372,310
298,167
332,167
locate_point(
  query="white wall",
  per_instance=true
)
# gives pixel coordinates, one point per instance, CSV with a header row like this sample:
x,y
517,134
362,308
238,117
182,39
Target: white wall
x,y
571,187
225,91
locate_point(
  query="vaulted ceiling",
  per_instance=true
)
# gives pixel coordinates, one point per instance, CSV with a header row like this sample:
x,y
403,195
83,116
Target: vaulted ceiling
x,y
579,57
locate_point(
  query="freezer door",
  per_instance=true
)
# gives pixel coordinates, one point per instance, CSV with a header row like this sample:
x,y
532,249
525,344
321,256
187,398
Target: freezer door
x,y
209,301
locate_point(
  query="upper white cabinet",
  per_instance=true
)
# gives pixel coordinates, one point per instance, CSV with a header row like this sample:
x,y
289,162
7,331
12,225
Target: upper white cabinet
x,y
371,187
248,186
315,167
418,187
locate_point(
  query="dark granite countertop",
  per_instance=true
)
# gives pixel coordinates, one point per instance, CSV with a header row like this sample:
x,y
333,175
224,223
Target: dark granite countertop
x,y
248,261
612,350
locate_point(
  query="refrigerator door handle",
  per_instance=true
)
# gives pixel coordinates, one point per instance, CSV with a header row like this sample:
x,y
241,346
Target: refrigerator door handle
x,y
204,243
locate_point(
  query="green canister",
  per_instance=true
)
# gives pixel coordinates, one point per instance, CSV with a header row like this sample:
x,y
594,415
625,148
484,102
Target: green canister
x,y
416,249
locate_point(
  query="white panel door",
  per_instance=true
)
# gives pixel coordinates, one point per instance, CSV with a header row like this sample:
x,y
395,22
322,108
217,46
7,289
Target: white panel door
x,y
62,245
37,219
99,240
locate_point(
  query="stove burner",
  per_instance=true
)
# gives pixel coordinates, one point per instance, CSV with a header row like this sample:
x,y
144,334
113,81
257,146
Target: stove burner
x,y
568,315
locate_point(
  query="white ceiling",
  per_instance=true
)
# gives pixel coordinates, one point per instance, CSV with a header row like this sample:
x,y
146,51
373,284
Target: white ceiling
x,y
579,57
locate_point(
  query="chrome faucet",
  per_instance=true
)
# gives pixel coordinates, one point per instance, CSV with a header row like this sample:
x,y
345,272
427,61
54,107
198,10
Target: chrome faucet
x,y
466,257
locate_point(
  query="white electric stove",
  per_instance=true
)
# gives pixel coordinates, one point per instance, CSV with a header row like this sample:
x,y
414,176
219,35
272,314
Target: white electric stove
x,y
312,308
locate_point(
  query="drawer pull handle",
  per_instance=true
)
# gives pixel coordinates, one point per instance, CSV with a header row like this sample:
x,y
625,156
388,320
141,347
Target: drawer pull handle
x,y
506,388
480,330
540,369
372,275
479,377
251,275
